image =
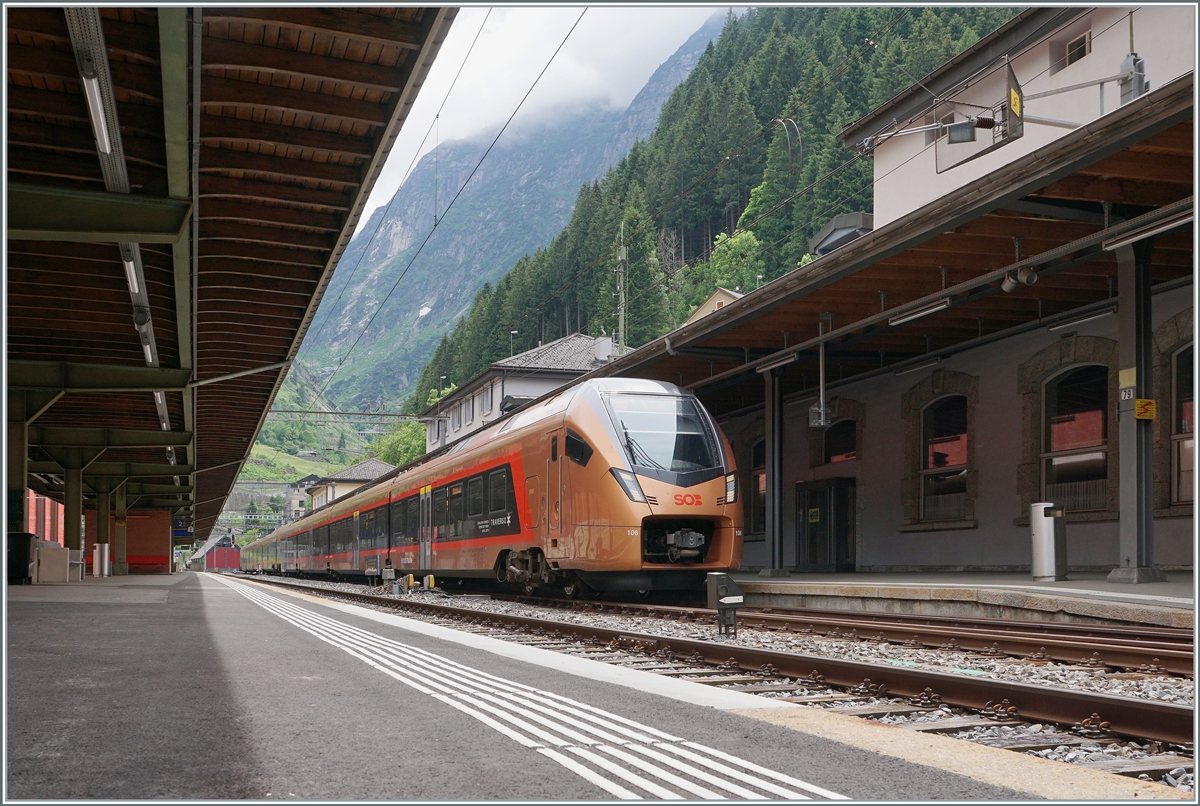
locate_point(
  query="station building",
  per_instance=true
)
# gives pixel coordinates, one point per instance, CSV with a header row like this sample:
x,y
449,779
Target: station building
x,y
1000,338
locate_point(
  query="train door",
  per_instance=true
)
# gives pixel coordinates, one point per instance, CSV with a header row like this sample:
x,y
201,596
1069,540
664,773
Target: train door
x,y
537,505
556,543
825,525
425,532
308,550
354,557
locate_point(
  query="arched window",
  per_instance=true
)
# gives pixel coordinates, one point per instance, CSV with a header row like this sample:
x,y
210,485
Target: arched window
x,y
841,441
1182,427
944,459
1075,439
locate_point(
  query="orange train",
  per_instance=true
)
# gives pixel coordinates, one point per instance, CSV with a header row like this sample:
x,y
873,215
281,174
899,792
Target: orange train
x,y
611,484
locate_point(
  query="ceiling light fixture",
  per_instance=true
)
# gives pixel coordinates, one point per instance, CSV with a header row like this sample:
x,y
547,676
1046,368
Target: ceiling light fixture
x,y
1081,319
146,350
130,269
1150,230
901,318
95,104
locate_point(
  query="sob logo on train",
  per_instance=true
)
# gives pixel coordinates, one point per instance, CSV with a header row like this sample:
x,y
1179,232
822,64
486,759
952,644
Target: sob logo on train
x,y
689,500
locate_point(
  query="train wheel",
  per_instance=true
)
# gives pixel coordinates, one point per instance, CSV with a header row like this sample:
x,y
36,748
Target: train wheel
x,y
642,593
574,589
529,589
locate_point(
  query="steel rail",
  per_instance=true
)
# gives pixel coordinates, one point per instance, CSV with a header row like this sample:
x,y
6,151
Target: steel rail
x,y
1143,719
1170,651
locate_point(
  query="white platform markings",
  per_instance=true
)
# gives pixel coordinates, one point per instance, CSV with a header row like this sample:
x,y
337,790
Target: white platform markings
x,y
626,759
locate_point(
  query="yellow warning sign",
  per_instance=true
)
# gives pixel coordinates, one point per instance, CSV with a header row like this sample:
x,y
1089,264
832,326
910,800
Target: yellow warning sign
x,y
1144,409
1014,101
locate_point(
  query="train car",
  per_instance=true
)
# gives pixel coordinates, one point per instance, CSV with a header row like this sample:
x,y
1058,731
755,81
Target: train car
x,y
611,484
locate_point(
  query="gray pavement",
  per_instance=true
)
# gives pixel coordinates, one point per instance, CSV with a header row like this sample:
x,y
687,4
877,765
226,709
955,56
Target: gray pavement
x,y
202,694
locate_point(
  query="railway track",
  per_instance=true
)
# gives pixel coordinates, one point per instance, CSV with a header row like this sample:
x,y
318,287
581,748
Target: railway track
x,y
1152,650
822,679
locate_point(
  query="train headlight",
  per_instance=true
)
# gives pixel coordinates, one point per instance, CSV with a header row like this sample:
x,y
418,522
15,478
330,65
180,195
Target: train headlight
x,y
629,484
731,489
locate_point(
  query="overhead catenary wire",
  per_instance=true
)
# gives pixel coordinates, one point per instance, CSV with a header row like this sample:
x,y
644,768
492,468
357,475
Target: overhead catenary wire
x,y
433,229
407,173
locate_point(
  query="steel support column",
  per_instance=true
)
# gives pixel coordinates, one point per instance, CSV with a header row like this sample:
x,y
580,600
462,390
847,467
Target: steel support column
x,y
1136,437
18,461
773,436
120,567
102,510
73,501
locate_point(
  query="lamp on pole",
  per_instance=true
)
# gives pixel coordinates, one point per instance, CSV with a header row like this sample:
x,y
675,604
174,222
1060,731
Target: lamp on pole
x,y
511,333
759,283
440,379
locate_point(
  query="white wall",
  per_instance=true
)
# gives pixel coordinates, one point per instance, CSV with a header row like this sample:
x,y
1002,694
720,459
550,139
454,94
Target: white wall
x,y
1164,36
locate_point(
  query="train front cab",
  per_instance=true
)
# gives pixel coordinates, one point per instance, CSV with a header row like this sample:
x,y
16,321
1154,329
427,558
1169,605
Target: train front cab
x,y
650,502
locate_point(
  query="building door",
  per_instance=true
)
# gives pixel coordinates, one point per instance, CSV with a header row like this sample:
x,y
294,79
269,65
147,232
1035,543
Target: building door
x,y
425,532
825,525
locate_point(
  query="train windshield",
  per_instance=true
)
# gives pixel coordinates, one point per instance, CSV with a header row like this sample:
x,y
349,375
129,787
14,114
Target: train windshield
x,y
663,433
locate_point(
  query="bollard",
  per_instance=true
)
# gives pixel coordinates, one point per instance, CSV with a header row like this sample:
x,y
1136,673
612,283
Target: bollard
x,y
1048,525
429,582
724,596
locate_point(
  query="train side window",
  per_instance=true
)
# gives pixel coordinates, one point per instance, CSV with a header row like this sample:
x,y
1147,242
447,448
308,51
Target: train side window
x,y
498,491
475,497
578,451
440,507
397,521
412,519
456,509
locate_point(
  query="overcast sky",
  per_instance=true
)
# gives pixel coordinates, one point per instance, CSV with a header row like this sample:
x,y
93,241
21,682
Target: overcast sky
x,y
608,58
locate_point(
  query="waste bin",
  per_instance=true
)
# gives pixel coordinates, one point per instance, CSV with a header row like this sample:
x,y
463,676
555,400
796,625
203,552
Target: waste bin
x,y
100,564
21,557
1048,524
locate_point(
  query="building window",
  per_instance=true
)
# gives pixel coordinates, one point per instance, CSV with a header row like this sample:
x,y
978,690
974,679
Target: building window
x,y
758,488
1075,439
1182,427
456,417
841,441
1079,47
944,459
933,135
485,399
469,409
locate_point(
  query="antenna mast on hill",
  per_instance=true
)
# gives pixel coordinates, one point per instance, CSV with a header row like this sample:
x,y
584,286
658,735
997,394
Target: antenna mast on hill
x,y
621,257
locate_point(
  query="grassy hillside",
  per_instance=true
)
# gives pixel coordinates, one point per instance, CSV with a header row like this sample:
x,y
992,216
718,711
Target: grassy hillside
x,y
270,464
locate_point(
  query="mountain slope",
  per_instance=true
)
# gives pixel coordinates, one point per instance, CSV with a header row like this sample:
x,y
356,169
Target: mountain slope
x,y
521,197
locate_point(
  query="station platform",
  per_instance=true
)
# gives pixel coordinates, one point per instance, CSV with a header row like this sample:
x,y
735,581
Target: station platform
x,y
203,687
1082,598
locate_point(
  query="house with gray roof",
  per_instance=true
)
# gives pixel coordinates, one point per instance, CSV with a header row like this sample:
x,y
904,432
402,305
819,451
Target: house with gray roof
x,y
511,382
335,485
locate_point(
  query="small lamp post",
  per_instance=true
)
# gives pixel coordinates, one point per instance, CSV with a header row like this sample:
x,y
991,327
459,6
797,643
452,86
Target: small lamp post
x,y
511,333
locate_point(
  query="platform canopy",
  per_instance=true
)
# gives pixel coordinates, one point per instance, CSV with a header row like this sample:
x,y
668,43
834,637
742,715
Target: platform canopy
x,y
930,283
153,251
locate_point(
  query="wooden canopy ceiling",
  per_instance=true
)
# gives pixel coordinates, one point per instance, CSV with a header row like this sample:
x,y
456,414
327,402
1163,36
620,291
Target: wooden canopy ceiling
x,y
298,108
1139,160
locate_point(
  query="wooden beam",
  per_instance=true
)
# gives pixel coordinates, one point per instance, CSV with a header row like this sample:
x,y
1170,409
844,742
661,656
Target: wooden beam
x,y
31,101
78,167
123,37
1143,167
225,282
217,186
297,256
233,55
119,469
220,159
228,230
366,27
221,128
37,135
137,79
1081,187
211,209
229,92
